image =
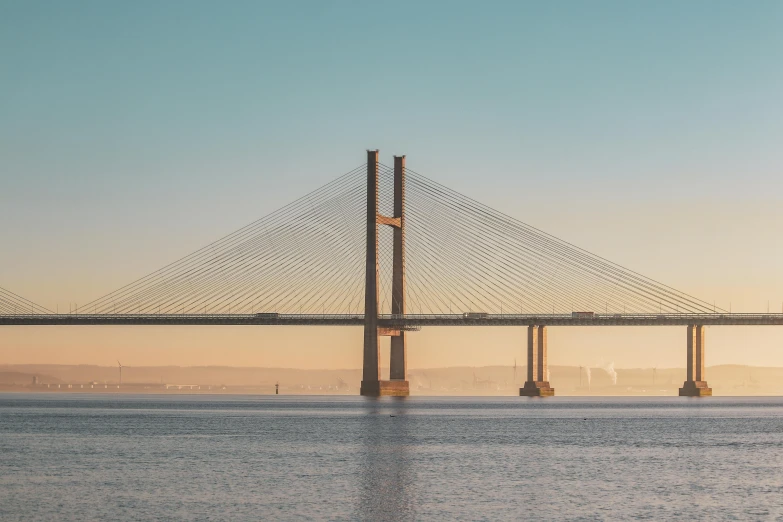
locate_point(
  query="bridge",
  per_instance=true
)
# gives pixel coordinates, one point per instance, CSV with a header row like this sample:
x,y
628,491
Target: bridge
x,y
421,256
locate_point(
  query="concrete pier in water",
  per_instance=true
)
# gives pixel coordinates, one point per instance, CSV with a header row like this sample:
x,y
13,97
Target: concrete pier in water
x,y
537,384
696,379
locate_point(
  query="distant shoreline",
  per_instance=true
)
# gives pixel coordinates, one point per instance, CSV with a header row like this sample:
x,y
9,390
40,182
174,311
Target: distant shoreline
x,y
726,380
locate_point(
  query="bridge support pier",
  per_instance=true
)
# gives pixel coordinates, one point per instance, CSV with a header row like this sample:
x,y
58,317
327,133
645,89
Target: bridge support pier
x,y
537,384
397,385
695,382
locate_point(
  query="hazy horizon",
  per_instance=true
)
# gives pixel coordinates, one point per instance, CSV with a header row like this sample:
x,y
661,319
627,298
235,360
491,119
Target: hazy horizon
x,y
606,380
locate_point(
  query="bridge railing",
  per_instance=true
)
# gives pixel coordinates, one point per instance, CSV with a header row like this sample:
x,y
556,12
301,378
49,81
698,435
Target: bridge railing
x,y
414,317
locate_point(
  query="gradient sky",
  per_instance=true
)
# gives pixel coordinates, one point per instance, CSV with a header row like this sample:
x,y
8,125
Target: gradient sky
x,y
133,133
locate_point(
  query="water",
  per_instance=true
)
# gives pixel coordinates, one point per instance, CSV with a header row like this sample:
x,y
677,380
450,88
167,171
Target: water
x,y
91,457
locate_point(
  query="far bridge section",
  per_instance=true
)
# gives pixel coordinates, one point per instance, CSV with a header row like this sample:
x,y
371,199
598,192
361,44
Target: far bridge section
x,y
12,304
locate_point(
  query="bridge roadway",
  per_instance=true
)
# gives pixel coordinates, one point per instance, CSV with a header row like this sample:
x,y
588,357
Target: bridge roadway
x,y
407,322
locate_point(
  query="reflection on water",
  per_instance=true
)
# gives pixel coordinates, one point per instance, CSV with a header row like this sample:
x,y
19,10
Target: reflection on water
x,y
385,471
70,457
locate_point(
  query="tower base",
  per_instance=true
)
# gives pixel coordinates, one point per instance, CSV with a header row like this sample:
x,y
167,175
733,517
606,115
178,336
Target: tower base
x,y
537,389
385,389
695,389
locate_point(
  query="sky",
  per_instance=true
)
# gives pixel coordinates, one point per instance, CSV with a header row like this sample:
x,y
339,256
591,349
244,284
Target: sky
x,y
134,133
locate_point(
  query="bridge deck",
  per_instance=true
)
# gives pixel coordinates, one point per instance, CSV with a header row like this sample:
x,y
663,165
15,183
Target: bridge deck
x,y
407,321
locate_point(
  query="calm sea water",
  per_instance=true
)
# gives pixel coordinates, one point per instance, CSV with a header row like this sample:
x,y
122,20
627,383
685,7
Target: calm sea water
x,y
69,457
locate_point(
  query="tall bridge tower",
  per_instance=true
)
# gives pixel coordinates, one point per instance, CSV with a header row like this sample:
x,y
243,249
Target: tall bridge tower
x,y
372,385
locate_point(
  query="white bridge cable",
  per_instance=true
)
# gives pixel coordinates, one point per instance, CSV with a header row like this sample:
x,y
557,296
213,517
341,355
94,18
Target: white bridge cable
x,y
195,263
508,242
239,278
492,250
296,257
518,272
194,281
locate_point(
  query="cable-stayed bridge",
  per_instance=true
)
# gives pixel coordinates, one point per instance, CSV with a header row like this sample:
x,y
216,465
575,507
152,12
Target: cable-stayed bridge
x,y
391,250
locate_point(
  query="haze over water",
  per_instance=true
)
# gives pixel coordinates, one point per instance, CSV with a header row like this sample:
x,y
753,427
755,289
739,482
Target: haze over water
x,y
347,458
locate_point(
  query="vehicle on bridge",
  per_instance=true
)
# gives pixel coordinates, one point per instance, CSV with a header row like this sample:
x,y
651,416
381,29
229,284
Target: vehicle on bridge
x,y
582,315
475,315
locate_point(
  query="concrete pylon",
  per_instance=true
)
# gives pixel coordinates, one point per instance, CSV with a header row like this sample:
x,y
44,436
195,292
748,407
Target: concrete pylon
x,y
372,350
398,367
696,379
372,385
537,384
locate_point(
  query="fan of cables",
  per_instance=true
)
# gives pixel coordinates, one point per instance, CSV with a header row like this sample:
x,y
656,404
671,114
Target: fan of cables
x,y
461,256
306,258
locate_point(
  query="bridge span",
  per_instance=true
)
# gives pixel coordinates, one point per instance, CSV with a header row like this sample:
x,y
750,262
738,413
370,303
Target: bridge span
x,y
406,323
